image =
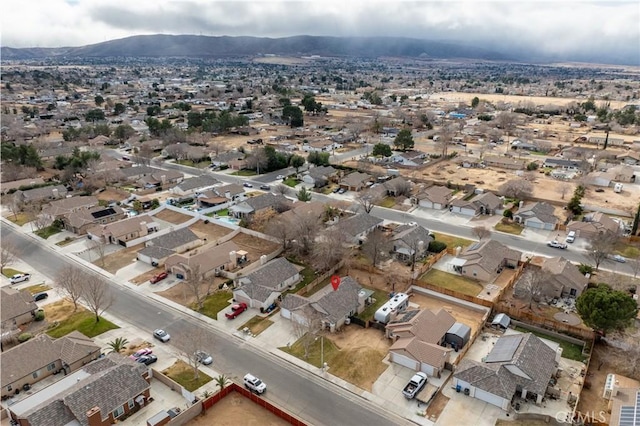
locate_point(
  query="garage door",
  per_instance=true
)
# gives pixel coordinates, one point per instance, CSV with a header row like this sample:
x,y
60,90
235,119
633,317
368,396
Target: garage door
x,y
426,368
534,224
404,361
285,313
489,397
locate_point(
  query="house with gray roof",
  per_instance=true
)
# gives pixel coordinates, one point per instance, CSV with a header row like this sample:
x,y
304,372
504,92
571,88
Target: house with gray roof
x,y
356,228
262,287
561,163
194,185
410,243
355,181
80,221
40,357
435,197
224,158
39,195
17,308
319,176
519,365
562,278
209,260
486,203
484,260
252,205
58,208
538,215
16,184
99,394
123,231
157,250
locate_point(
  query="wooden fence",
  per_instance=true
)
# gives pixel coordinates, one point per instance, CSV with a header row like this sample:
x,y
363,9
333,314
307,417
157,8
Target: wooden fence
x,y
304,290
453,293
213,400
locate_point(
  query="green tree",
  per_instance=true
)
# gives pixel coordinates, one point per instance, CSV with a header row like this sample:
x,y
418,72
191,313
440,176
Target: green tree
x,y
123,132
605,309
404,140
293,115
221,381
99,100
296,161
304,194
118,344
475,102
318,158
381,150
94,115
119,108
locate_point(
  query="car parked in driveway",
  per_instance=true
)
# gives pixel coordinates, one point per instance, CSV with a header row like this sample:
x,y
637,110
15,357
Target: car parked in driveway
x,y
236,310
141,352
161,335
147,359
203,357
18,278
40,296
157,278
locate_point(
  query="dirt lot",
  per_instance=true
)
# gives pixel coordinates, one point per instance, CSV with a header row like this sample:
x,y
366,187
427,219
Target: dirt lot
x,y
234,410
112,194
182,294
255,246
464,315
172,216
209,230
113,262
354,337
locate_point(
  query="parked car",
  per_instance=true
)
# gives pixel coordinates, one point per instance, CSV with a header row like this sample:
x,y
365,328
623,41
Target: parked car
x,y
416,383
247,185
40,296
161,335
335,191
18,278
254,384
141,352
618,258
203,357
147,359
157,278
265,187
280,177
557,244
236,310
342,191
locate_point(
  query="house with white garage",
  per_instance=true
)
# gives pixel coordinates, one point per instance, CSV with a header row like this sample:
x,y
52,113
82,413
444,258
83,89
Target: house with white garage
x,y
538,215
157,250
319,176
194,185
486,203
263,287
435,197
484,260
419,338
519,365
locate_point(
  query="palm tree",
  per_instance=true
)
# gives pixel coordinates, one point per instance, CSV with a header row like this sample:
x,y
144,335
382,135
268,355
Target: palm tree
x,y
118,345
221,381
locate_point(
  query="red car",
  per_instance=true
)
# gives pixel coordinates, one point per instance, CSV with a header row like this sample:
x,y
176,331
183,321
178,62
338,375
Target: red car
x,y
156,278
236,310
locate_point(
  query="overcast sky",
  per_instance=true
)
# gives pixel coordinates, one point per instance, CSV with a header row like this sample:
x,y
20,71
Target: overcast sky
x,y
563,28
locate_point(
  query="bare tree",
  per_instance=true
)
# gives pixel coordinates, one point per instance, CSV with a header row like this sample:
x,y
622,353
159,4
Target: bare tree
x,y
517,188
282,230
376,247
176,151
216,146
190,346
367,200
282,189
444,138
601,246
70,281
306,229
97,295
99,245
507,122
193,282
9,253
328,250
260,219
14,204
258,159
481,232
562,189
402,188
533,282
306,325
143,155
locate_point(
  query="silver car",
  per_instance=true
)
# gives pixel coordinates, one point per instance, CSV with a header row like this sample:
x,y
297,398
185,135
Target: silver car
x,y
161,335
203,357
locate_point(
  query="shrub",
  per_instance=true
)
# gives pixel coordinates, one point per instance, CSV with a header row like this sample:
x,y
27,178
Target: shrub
x,y
39,315
24,337
437,246
508,214
585,269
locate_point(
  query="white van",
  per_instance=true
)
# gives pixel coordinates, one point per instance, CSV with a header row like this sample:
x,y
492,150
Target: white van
x,y
617,188
571,237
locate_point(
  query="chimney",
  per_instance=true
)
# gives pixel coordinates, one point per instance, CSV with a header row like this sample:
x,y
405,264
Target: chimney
x,y
94,417
232,257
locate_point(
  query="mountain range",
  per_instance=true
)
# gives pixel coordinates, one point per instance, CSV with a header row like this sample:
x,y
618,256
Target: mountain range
x,y
227,47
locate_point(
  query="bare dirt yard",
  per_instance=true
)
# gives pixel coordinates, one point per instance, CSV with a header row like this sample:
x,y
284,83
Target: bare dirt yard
x,y
235,409
210,230
172,216
181,293
464,315
255,246
113,262
112,194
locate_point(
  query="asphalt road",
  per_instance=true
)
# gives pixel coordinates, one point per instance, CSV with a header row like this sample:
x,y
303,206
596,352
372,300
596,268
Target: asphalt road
x,y
311,398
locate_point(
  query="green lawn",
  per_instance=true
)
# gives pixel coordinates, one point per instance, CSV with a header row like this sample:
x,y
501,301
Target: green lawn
x,y
84,322
215,303
452,282
569,350
318,287
38,288
191,163
315,354
182,373
223,212
245,173
452,241
47,231
19,219
308,275
510,228
9,272
292,182
387,202
380,298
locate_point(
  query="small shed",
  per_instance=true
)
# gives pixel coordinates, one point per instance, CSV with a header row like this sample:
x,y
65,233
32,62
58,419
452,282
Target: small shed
x,y
458,335
501,321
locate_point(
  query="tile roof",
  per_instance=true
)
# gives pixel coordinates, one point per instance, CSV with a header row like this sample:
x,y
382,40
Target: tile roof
x,y
14,303
272,274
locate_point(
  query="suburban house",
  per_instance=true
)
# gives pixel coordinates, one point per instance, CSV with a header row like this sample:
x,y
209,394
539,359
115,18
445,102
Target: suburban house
x,y
157,250
263,287
562,278
41,357
410,243
486,203
80,221
355,181
484,260
209,260
224,158
319,176
621,173
220,195
504,162
356,228
397,186
560,163
321,146
314,209
332,309
96,395
161,178
593,224
538,215
419,338
17,306
518,366
39,195
435,197
16,184
253,205
123,231
237,164
630,158
409,158
194,185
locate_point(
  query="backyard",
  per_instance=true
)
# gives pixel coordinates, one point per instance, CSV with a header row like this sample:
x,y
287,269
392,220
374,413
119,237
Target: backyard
x,y
451,281
234,409
569,350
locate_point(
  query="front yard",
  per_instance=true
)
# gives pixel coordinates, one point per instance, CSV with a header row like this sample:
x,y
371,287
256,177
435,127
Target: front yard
x,y
451,281
215,303
47,231
9,272
257,325
509,227
452,241
182,373
62,314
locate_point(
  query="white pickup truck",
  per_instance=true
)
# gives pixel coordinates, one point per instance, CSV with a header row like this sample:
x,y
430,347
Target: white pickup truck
x,y
18,278
416,383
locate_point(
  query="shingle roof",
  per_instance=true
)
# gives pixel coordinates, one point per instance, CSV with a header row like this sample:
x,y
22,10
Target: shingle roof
x,y
14,303
335,305
489,254
272,274
321,172
293,301
437,194
541,210
426,326
173,239
358,224
64,205
564,273
122,227
427,353
266,200
207,259
85,216
197,182
257,292
355,179
42,193
412,235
